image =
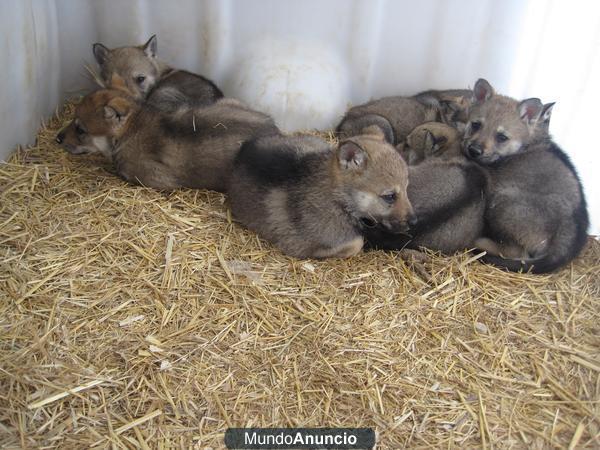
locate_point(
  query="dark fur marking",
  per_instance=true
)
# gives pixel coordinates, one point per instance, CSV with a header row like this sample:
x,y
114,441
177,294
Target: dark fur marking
x,y
294,213
276,166
195,90
378,238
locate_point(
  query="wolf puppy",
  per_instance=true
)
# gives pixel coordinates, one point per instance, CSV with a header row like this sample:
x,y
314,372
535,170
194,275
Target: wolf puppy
x,y
395,116
311,200
446,190
192,148
398,116
147,77
431,140
452,104
536,216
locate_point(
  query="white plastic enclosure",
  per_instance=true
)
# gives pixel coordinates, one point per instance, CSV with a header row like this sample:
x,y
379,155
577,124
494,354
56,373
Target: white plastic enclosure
x,y
305,61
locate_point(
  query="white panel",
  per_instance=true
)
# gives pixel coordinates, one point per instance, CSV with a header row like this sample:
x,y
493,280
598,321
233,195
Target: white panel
x,y
28,55
305,61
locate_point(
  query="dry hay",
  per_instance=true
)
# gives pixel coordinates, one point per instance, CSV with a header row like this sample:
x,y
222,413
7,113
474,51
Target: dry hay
x,y
132,318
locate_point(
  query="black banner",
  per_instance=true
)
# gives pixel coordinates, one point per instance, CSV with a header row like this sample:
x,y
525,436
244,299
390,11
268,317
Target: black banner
x,y
299,438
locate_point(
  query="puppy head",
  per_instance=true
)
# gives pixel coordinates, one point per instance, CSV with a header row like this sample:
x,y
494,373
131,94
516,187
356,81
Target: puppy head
x,y
136,66
500,126
431,140
373,178
100,118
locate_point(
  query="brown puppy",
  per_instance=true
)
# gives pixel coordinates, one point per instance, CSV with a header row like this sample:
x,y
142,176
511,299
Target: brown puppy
x,y
431,140
195,147
311,200
453,105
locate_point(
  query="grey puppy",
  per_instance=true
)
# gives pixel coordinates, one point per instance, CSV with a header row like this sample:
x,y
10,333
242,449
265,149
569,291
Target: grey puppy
x,y
431,140
146,77
448,197
311,200
536,216
453,105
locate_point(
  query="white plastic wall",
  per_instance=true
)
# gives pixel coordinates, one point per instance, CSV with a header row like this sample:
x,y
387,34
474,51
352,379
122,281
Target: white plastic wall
x,y
305,61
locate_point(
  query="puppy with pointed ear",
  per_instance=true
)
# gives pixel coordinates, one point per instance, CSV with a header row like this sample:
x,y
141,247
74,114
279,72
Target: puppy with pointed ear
x,y
431,140
102,52
138,66
535,212
101,118
313,200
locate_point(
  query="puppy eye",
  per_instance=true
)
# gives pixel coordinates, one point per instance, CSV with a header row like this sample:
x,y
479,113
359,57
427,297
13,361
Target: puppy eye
x,y
389,198
475,125
140,79
501,137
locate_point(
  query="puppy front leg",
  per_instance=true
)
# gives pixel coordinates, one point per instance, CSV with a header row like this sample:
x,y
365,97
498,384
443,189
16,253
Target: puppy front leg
x,y
345,250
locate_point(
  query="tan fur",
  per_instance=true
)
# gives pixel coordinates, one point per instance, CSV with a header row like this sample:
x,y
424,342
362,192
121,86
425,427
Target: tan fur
x,y
138,71
130,63
193,148
396,116
452,105
510,251
431,140
311,200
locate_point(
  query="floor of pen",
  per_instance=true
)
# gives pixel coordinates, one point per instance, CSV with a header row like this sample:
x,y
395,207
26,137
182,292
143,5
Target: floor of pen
x,y
137,318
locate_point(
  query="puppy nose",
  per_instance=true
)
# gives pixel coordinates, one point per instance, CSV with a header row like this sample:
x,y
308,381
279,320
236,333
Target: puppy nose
x,y
60,137
475,150
412,220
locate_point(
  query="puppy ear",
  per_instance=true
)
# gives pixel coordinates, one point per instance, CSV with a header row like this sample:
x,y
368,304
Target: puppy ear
x,y
530,110
351,156
117,109
101,53
482,91
546,113
150,47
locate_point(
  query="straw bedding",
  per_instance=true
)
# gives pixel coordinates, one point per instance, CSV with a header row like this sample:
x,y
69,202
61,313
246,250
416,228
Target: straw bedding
x,y
131,318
